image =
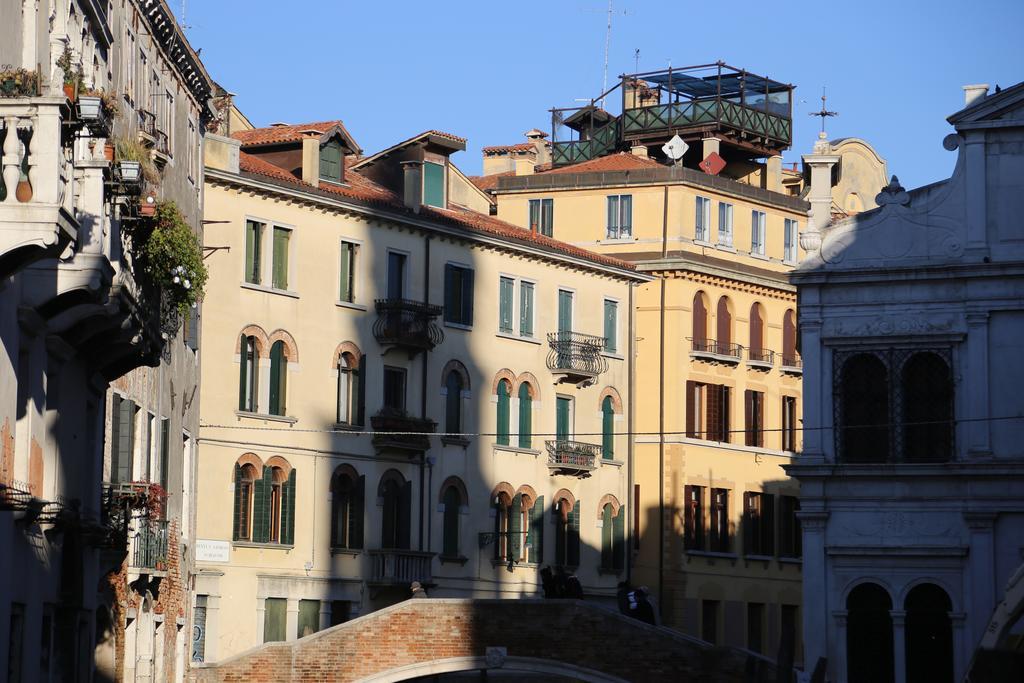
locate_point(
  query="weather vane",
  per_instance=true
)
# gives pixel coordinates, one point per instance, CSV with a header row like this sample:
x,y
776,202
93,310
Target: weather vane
x,y
824,113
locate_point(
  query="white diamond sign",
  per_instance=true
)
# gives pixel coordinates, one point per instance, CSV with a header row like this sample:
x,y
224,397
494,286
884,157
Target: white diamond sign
x,y
675,148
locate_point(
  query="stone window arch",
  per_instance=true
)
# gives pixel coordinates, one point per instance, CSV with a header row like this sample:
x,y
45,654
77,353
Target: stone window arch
x,y
453,500
613,534
394,496
567,529
723,324
928,634
349,365
347,508
789,352
756,340
699,322
869,644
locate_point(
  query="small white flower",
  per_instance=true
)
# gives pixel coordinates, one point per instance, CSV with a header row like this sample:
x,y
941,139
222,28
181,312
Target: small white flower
x,y
188,285
177,279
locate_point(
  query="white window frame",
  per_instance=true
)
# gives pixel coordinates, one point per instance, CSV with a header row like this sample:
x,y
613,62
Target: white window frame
x,y
702,227
406,270
571,290
790,232
618,335
758,230
356,285
519,304
725,237
619,235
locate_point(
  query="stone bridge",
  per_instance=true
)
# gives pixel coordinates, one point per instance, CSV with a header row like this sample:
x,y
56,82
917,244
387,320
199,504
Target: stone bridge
x,y
523,639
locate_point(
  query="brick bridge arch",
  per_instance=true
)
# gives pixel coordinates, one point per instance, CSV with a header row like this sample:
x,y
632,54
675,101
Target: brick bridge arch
x,y
427,637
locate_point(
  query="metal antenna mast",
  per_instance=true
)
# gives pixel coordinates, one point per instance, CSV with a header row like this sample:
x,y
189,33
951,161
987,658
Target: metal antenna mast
x,y
824,113
607,46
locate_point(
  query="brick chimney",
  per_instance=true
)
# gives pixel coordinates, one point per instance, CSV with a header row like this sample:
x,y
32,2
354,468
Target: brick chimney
x,y
311,159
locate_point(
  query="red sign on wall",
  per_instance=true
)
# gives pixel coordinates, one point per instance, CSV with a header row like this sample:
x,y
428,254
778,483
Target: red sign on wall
x,y
712,164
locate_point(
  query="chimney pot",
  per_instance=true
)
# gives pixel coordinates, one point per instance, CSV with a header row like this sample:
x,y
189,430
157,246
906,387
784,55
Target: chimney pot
x,y
412,188
974,93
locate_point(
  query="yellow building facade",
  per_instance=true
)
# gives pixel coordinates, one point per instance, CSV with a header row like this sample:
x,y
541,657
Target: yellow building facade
x,y
397,389
717,541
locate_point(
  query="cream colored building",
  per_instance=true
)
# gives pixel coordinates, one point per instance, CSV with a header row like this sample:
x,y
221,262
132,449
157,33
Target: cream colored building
x,y
719,414
397,389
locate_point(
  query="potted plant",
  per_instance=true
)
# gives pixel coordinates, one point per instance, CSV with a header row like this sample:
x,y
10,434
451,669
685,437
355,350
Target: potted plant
x,y
92,103
161,564
170,256
72,75
18,83
134,162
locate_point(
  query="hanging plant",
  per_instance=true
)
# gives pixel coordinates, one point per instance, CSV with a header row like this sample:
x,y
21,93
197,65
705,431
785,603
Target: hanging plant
x,y
170,256
130,149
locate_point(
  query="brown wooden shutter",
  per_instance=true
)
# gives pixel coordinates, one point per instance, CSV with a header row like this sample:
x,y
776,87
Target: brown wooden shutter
x,y
756,328
748,414
789,336
688,518
691,426
724,325
760,419
714,412
700,319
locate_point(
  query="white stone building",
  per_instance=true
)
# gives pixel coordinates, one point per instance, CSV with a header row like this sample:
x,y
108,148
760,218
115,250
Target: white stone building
x,y
912,475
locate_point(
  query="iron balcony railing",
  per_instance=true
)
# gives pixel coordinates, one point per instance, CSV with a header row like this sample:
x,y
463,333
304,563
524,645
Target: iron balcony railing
x,y
400,567
792,364
407,324
149,547
713,347
703,112
572,457
399,430
764,356
602,141
576,354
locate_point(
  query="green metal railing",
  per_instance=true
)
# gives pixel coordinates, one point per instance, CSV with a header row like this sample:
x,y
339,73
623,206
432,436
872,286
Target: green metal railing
x,y
701,112
602,141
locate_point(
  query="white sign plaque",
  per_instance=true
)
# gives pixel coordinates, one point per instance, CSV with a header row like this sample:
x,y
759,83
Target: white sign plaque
x,y
212,551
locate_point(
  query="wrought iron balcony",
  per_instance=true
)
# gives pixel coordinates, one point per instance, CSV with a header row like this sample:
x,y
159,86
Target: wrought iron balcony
x,y
762,359
792,365
714,351
37,217
407,325
390,567
576,358
395,431
149,546
574,458
603,141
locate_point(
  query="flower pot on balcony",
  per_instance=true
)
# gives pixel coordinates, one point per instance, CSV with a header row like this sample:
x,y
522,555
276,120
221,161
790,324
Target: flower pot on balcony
x,y
89,107
69,91
23,192
130,171
108,151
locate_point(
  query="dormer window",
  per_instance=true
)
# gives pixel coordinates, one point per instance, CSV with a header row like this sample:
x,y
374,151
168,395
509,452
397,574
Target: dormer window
x,y
433,184
331,161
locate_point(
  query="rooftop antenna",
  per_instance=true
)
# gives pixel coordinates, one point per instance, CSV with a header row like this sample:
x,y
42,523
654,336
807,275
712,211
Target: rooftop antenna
x,y
607,48
824,113
636,59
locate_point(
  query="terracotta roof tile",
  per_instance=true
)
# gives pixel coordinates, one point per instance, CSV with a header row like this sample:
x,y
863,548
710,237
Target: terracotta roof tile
x,y
488,182
521,147
622,161
364,190
290,133
388,150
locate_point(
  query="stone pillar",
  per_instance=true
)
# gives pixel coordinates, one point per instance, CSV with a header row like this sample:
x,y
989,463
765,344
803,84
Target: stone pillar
x,y
325,614
710,145
975,191
292,622
837,662
899,644
981,583
978,438
818,379
821,163
813,525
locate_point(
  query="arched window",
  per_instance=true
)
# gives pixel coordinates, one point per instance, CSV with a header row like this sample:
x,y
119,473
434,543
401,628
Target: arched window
x,y
248,374
869,651
927,409
347,495
395,495
929,635
864,419
567,533
724,325
278,377
789,357
278,501
525,415
608,428
453,403
502,525
613,538
451,499
756,343
700,322
245,478
350,389
504,392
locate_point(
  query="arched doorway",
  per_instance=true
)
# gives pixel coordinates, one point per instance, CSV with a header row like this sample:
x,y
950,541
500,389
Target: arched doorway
x,y
869,656
929,635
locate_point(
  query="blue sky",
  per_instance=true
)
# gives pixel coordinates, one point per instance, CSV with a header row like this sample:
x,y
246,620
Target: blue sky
x,y
491,70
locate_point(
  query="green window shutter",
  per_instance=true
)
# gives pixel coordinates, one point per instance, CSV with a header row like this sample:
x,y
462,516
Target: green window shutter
x,y
347,263
547,223
450,295
626,214
525,309
606,537
280,275
253,233
467,296
607,429
505,294
309,617
610,325
355,517
561,539
564,311
126,440
503,412
275,616
165,444
243,360
525,416
453,403
359,390
405,516
330,161
278,379
433,184
239,502
261,507
288,510
613,217
452,502
573,541
562,419
536,537
389,516
534,215
619,540
115,440
515,526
